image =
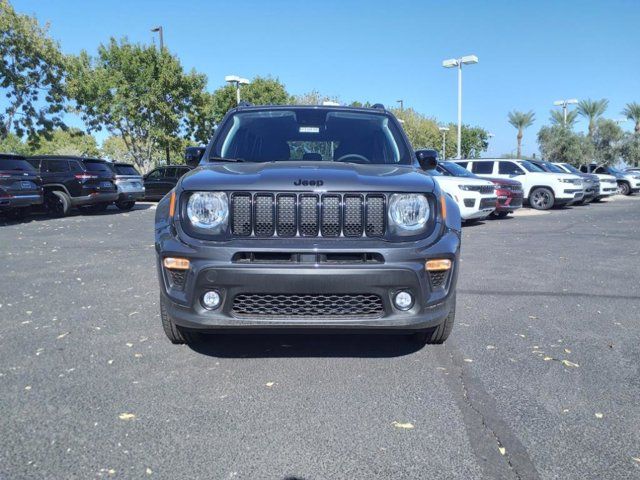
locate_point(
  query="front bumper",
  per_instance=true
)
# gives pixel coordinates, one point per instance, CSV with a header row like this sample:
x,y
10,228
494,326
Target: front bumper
x,y
403,269
476,207
20,201
509,203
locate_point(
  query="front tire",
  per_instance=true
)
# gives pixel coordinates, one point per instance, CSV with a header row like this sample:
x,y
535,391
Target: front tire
x,y
542,198
624,188
439,334
176,335
500,214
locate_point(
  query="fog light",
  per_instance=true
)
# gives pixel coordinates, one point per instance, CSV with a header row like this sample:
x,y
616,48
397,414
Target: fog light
x,y
211,300
403,300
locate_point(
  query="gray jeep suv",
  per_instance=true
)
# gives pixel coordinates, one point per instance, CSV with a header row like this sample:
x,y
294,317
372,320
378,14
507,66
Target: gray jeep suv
x,y
308,219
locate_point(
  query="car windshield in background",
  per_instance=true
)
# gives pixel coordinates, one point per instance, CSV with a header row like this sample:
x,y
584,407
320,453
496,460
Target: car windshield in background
x,y
456,170
531,167
553,168
125,170
21,165
571,168
614,170
97,167
314,135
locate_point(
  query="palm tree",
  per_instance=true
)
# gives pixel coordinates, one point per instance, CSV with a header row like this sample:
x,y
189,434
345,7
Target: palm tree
x,y
521,120
591,110
557,118
632,112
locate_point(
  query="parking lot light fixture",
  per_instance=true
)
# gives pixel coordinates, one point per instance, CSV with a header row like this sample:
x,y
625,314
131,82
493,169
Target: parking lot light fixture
x,y
237,81
564,104
457,63
444,131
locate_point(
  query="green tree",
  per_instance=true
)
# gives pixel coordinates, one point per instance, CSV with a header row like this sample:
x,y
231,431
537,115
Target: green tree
x,y
314,97
560,144
13,144
606,139
422,131
31,76
632,112
630,149
68,142
520,121
475,140
591,110
557,118
138,93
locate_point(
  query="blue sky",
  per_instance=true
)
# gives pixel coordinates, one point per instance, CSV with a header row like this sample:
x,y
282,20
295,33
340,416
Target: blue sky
x,y
531,52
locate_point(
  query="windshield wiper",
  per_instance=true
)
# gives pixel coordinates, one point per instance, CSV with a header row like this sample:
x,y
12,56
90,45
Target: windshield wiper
x,y
222,159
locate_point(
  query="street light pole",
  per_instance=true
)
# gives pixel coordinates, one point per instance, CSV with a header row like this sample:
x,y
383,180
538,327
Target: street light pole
x,y
444,131
159,30
457,63
237,81
564,104
401,102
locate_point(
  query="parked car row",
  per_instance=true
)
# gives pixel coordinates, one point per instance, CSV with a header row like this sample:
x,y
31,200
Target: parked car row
x,y
496,187
60,183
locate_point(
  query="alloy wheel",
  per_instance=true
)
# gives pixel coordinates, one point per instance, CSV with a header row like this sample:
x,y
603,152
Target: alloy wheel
x,y
541,199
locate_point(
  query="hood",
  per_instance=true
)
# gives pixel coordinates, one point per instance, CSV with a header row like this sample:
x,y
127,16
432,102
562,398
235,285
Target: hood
x,y
307,176
462,181
605,176
503,181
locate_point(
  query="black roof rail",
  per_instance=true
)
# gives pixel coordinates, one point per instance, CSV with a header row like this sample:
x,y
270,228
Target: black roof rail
x,y
244,103
378,105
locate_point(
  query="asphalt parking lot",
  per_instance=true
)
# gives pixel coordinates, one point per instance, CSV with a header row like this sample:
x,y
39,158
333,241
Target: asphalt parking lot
x,y
540,378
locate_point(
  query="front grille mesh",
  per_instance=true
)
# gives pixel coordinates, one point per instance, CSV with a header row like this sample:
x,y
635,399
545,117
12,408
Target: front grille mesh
x,y
309,306
438,278
308,214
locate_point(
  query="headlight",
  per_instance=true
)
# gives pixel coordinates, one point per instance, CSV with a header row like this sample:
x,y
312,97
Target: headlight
x,y
208,210
408,211
466,188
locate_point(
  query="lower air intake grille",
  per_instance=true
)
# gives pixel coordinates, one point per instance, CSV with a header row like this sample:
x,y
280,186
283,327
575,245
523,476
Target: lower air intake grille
x,y
309,306
438,279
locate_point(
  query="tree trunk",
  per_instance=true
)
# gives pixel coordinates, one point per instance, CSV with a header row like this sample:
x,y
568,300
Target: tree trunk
x,y
519,143
638,127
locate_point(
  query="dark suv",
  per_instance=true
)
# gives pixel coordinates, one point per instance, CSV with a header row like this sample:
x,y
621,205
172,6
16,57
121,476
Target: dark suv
x,y
75,182
20,185
311,218
160,181
129,183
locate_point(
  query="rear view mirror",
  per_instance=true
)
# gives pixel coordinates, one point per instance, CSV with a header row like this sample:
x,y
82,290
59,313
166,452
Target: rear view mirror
x,y
193,155
428,159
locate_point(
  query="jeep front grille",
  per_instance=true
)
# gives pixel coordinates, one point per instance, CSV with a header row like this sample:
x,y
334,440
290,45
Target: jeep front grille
x,y
307,306
308,214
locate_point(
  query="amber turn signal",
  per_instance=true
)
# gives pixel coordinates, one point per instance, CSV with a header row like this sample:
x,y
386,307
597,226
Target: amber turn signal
x,y
176,263
438,265
443,207
172,210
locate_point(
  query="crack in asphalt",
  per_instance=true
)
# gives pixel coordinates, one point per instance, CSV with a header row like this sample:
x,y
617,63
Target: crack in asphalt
x,y
486,430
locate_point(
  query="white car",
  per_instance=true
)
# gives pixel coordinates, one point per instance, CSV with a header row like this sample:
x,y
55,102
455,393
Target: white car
x,y
476,198
608,183
541,189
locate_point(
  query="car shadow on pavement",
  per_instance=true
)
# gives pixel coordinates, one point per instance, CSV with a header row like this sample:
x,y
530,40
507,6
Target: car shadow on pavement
x,y
274,345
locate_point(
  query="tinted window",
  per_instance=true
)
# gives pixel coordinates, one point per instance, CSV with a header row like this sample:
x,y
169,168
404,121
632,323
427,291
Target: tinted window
x,y
182,170
463,164
34,162
570,168
482,167
101,167
584,169
550,167
125,170
509,168
530,166
55,166
75,166
10,164
156,174
456,170
306,134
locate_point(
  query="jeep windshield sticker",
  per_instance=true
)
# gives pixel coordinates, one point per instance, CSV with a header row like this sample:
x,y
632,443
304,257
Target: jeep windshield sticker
x,y
309,130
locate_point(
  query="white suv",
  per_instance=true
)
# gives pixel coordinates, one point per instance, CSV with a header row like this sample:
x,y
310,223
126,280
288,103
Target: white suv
x,y
608,183
476,198
541,189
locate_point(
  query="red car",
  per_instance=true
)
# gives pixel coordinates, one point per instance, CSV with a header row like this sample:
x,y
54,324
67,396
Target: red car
x,y
509,193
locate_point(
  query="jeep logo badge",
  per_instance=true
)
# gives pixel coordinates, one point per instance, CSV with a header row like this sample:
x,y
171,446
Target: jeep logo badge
x,y
308,183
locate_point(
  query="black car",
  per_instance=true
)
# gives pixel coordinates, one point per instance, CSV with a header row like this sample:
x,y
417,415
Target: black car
x,y
158,182
316,218
20,185
70,181
129,183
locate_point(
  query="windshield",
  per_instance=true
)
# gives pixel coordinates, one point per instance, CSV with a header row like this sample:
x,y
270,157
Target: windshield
x,y
613,170
530,166
305,134
456,170
11,164
571,168
553,168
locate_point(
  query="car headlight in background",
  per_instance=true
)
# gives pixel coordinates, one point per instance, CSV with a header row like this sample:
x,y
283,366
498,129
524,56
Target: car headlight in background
x,y
408,212
208,210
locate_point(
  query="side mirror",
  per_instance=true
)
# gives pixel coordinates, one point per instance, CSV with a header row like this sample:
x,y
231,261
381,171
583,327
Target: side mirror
x,y
428,159
193,155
